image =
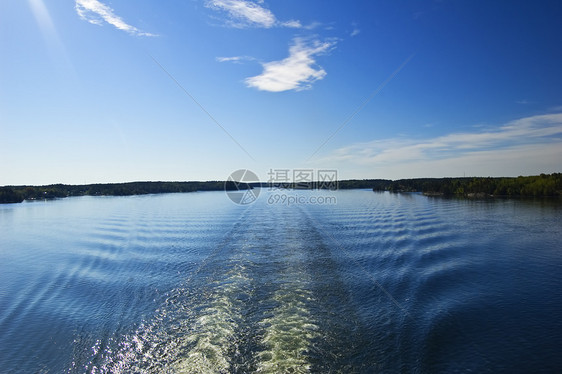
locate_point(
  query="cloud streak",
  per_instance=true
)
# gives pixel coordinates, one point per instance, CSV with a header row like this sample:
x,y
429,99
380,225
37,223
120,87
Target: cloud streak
x,y
96,13
296,72
355,31
246,13
530,145
235,59
49,32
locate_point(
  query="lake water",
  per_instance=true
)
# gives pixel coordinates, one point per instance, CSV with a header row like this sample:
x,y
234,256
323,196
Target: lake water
x,y
192,283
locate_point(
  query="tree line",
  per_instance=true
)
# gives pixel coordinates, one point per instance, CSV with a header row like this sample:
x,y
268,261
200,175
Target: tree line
x,y
17,194
539,186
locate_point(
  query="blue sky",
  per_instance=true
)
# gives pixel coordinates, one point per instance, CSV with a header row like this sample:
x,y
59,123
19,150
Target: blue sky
x,y
95,91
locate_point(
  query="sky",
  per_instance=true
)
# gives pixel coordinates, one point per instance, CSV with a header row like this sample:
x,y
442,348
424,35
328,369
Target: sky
x,y
100,91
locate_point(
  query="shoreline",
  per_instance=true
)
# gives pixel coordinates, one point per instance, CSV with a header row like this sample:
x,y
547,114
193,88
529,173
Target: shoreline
x,y
543,185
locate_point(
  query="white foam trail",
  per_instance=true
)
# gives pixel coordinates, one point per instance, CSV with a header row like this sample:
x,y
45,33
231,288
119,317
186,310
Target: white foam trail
x,y
288,333
213,338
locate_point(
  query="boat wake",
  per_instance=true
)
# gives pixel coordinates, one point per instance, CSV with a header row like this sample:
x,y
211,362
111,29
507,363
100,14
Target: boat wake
x,y
253,306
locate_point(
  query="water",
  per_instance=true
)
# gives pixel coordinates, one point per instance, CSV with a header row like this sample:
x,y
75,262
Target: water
x,y
191,283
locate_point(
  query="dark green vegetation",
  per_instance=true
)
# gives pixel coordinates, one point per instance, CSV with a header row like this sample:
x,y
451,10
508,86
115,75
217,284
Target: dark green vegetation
x,y
539,186
16,194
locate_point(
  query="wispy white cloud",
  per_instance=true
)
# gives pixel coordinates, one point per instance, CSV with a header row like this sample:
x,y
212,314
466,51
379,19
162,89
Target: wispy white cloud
x,y
355,31
296,72
229,59
530,145
295,24
530,159
96,13
235,59
248,13
245,13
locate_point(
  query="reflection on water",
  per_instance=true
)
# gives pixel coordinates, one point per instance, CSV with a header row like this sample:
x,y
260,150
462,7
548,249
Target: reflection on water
x,y
190,283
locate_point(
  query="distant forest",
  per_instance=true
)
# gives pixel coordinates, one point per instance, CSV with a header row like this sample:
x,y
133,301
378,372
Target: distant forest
x,y
543,185
16,194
